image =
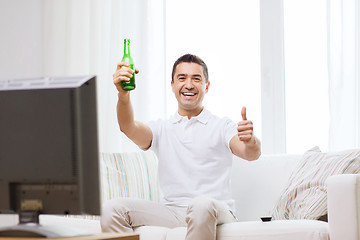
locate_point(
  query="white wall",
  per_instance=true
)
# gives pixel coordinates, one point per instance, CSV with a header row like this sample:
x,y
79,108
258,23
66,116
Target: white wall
x,y
21,31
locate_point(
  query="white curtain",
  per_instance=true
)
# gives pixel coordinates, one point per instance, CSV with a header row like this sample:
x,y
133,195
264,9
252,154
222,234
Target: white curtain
x,y
343,63
86,37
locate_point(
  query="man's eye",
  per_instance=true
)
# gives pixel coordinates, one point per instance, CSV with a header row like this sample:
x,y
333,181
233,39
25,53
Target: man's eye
x,y
197,79
181,79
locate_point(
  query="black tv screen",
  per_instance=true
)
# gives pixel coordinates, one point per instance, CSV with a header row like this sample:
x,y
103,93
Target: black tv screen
x,y
49,146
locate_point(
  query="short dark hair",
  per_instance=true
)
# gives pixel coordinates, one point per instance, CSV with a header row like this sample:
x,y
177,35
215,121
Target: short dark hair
x,y
190,58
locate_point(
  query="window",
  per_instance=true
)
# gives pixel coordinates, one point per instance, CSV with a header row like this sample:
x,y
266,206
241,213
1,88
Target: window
x,y
306,80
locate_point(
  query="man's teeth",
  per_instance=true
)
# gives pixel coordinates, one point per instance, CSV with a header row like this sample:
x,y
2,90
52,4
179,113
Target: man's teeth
x,y
189,94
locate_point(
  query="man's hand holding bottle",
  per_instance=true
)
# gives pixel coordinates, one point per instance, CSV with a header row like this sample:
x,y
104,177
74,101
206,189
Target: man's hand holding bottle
x,y
123,73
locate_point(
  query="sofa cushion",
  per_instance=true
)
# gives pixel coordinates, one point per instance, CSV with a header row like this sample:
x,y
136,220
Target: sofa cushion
x,y
152,232
305,196
257,230
132,175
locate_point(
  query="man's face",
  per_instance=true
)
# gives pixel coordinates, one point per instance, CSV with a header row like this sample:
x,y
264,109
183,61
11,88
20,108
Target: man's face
x,y
189,87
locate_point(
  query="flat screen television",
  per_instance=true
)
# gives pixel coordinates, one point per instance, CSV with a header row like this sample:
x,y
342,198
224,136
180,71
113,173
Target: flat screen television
x,y
49,147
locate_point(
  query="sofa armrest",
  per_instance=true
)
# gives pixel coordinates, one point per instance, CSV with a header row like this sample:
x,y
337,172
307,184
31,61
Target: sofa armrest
x,y
344,206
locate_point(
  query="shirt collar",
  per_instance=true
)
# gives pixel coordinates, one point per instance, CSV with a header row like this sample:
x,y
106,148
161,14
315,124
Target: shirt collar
x,y
203,117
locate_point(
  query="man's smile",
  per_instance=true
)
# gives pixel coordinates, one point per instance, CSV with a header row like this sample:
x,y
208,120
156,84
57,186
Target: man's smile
x,y
188,93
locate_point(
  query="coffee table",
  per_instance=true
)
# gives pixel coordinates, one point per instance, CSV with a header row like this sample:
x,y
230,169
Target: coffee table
x,y
99,236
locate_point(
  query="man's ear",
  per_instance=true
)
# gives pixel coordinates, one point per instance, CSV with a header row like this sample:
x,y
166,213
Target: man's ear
x,y
207,87
172,86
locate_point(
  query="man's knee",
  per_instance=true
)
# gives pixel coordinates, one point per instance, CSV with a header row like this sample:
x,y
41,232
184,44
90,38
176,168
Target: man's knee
x,y
114,212
202,203
201,210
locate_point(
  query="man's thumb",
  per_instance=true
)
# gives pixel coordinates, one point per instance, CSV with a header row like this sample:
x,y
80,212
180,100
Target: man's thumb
x,y
243,113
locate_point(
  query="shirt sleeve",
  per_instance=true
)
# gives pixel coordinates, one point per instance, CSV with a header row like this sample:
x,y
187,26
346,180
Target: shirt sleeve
x,y
230,130
155,127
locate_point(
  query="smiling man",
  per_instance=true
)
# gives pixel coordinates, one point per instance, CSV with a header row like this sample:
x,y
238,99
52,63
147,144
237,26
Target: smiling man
x,y
195,150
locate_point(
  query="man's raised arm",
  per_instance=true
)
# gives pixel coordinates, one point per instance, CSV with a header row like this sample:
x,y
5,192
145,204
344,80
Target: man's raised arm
x,y
138,132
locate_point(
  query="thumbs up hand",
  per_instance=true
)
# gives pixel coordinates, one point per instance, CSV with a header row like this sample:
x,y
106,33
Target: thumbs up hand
x,y
245,145
245,128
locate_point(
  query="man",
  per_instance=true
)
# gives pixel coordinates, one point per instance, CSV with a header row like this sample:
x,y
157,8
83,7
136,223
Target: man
x,y
194,149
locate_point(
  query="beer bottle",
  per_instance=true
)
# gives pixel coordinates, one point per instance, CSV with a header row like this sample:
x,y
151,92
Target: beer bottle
x,y
128,85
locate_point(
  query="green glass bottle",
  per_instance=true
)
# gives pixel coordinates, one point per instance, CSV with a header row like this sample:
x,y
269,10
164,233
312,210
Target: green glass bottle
x,y
128,85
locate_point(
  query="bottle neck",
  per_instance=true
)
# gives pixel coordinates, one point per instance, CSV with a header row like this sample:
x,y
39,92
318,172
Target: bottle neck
x,y
126,47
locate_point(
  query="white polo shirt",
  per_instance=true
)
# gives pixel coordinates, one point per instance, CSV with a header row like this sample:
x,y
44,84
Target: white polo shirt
x,y
194,157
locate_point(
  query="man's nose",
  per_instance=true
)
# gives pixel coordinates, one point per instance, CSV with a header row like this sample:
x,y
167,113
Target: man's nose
x,y
188,83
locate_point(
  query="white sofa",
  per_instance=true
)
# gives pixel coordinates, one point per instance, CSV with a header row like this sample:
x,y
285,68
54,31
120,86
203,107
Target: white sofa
x,y
256,188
